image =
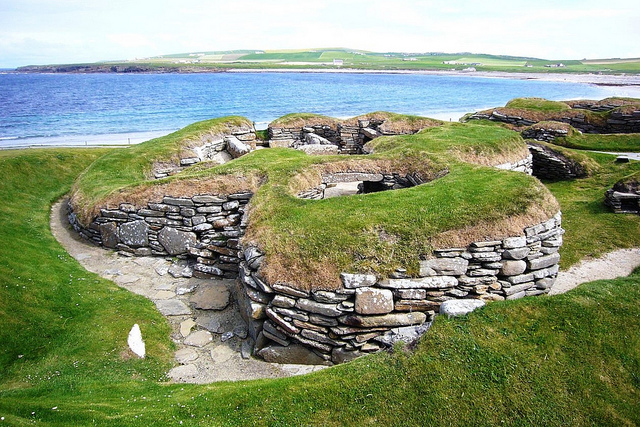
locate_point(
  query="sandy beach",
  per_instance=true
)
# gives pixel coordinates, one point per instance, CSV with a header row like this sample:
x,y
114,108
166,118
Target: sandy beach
x,y
596,79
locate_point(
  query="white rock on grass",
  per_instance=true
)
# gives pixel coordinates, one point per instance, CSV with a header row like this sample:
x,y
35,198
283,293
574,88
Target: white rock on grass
x,y
460,307
136,344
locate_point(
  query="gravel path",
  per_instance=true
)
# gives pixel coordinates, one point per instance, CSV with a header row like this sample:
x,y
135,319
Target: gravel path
x,y
615,264
212,343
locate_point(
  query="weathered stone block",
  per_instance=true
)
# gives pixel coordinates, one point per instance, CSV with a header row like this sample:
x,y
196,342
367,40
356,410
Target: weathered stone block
x,y
352,281
109,234
437,282
373,301
460,307
388,320
176,242
443,267
513,267
544,262
329,310
135,233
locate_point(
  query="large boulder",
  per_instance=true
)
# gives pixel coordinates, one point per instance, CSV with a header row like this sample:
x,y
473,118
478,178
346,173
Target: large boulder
x,y
174,241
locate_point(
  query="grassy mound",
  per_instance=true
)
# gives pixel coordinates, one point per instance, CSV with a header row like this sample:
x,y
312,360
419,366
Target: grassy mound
x,y
628,142
122,168
537,104
568,359
308,243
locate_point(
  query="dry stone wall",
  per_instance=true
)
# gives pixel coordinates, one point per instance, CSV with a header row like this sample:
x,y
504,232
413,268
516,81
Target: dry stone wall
x,y
552,165
205,228
218,148
367,314
621,121
348,137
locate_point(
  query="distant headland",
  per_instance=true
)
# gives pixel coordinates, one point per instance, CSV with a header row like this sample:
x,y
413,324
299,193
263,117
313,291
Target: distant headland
x,y
346,60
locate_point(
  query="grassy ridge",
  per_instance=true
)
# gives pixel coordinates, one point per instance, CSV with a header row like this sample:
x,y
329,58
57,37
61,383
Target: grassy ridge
x,y
50,308
572,359
359,59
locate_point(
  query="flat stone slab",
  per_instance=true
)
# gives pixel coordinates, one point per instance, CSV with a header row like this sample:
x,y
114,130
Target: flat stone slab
x,y
186,355
172,307
221,353
198,339
211,296
164,295
460,307
186,326
183,373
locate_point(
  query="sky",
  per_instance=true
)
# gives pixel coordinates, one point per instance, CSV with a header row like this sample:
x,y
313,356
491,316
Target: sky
x,y
71,31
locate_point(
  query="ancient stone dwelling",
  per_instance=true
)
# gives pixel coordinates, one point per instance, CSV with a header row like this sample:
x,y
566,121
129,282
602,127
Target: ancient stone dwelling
x,y
366,312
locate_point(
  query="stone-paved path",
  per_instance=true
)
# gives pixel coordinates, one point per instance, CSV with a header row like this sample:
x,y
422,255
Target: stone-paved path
x,y
210,335
615,264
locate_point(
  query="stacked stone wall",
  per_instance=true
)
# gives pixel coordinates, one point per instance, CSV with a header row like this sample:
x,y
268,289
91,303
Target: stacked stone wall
x,y
551,165
617,122
205,228
367,314
349,137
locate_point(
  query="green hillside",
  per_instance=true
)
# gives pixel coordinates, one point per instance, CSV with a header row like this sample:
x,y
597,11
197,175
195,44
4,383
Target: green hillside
x,y
328,58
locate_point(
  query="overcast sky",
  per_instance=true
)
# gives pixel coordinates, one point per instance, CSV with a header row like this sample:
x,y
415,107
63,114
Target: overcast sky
x,y
64,31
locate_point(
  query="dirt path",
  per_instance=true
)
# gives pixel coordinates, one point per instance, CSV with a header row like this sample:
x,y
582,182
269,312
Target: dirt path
x,y
615,264
212,344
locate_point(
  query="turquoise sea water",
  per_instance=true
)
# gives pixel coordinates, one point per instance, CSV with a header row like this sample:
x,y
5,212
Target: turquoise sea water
x,y
79,109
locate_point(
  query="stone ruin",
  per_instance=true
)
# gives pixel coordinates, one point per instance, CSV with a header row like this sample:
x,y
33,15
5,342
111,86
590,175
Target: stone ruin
x,y
367,313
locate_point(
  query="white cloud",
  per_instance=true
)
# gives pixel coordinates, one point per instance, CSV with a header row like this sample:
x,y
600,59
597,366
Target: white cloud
x,y
60,30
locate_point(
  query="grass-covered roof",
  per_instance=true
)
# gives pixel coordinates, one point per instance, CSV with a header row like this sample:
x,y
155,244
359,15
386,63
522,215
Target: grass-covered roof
x,y
308,242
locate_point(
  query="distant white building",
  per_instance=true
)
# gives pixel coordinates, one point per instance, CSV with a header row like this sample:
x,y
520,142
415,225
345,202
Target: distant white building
x,y
338,62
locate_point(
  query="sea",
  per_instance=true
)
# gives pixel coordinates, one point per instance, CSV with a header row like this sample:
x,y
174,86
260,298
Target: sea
x,y
120,109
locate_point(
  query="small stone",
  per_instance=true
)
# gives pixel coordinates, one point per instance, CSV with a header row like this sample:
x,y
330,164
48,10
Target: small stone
x,y
172,307
186,355
186,288
186,326
183,373
246,349
226,336
198,338
513,267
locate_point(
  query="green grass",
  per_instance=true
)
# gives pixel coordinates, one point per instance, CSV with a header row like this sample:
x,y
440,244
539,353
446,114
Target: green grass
x,y
46,296
629,142
124,167
572,359
591,228
538,104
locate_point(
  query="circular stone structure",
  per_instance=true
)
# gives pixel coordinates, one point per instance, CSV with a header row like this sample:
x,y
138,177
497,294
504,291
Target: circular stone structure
x,y
321,279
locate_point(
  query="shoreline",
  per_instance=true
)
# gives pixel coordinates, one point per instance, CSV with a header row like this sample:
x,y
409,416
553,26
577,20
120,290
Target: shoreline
x,y
595,79
586,78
